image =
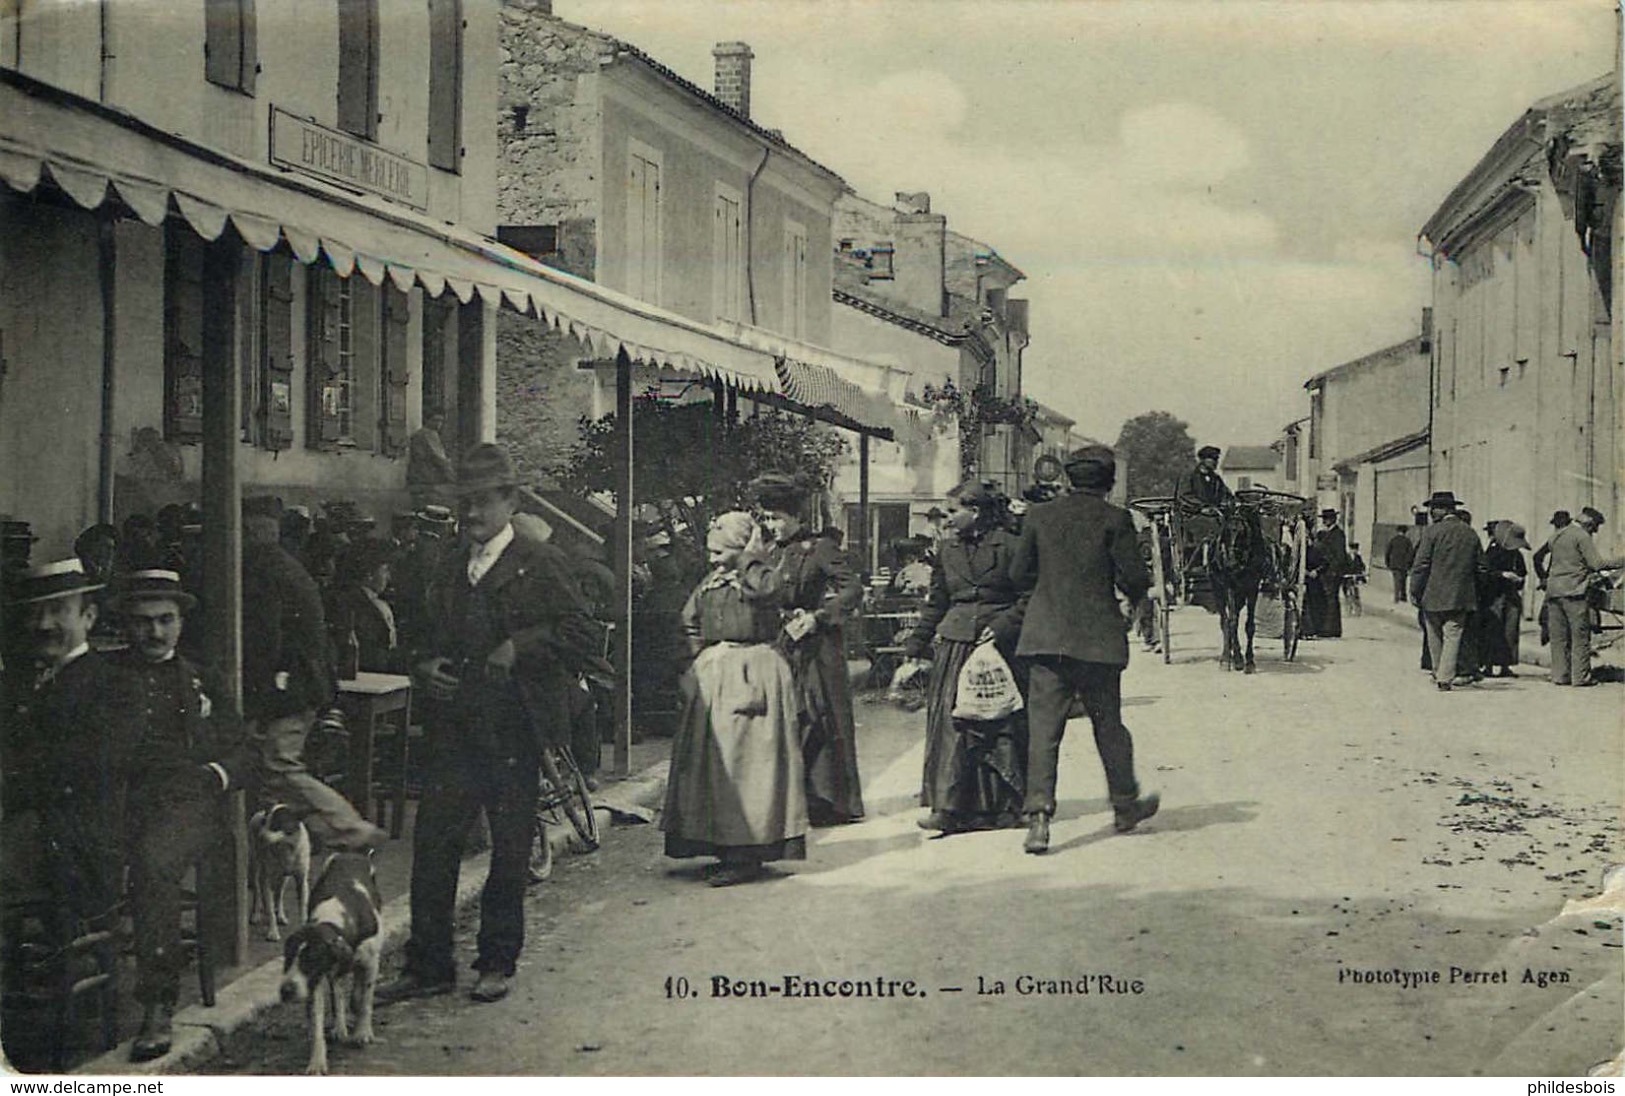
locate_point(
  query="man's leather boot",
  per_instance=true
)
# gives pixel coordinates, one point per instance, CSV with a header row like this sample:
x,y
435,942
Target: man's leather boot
x,y
1037,834
157,1032
1128,813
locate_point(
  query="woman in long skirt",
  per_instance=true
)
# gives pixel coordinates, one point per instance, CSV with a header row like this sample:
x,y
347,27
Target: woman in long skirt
x,y
817,590
1505,574
975,770
735,790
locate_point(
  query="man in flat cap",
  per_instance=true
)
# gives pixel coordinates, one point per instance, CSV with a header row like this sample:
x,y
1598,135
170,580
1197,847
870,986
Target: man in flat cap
x,y
1573,566
186,748
1075,555
511,633
1199,494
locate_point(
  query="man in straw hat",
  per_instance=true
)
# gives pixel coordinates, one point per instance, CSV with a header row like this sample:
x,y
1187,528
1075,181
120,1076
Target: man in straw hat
x,y
1444,585
1573,564
511,631
1075,555
186,748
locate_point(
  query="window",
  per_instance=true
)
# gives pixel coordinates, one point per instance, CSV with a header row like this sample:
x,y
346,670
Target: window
x,y
274,401
357,334
230,53
446,84
795,280
183,333
437,324
358,67
728,254
880,261
643,241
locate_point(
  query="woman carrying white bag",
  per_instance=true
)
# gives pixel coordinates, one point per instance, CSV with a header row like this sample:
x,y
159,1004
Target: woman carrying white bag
x,y
976,726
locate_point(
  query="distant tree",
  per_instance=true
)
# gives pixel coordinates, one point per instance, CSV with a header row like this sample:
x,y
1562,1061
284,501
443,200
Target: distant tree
x,y
1158,448
689,465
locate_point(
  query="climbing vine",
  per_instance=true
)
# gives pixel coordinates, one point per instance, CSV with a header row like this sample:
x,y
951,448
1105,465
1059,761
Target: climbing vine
x,y
976,409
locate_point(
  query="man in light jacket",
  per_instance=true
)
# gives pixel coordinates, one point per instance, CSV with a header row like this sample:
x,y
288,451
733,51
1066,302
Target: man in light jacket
x,y
1444,585
1573,564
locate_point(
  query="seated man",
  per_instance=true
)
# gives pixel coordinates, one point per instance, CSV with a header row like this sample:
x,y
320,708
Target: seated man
x,y
183,746
1199,495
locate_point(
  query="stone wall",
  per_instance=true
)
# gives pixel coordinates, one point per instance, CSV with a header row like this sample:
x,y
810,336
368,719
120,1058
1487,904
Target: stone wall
x,y
546,126
541,394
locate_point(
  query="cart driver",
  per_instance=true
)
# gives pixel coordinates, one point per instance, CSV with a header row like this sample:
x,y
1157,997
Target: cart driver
x,y
1199,495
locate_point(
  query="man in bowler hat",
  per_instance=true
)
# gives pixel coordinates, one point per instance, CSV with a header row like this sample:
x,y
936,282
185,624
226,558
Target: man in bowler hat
x,y
511,631
1444,585
1074,556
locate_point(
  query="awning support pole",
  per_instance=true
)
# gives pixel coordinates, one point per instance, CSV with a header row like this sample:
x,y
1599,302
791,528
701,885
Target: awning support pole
x,y
225,881
865,563
622,542
106,268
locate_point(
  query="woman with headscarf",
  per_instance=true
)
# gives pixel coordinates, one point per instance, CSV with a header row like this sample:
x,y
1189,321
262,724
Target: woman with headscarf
x,y
975,771
735,790
816,590
1504,576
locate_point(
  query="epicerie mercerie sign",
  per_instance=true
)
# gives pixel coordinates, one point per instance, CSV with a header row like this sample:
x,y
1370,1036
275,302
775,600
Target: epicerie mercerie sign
x,y
304,146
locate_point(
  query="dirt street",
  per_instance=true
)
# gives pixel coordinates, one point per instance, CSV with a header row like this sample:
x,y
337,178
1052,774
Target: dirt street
x,y
1351,874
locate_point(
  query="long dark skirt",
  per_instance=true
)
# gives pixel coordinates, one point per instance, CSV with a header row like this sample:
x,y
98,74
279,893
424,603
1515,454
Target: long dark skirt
x,y
829,733
1501,624
1330,624
974,770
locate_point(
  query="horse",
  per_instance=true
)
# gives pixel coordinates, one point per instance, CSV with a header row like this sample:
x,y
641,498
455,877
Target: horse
x,y
1241,559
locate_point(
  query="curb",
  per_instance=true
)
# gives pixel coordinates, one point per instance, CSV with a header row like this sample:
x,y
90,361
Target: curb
x,y
200,1032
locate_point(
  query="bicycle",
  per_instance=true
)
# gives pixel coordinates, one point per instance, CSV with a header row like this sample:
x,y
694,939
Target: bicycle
x,y
564,798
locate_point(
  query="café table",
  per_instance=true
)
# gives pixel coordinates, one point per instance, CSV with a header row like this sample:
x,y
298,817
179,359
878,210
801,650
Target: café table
x,y
368,700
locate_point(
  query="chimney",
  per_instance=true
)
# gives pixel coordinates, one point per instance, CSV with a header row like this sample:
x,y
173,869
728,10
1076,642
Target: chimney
x,y
733,75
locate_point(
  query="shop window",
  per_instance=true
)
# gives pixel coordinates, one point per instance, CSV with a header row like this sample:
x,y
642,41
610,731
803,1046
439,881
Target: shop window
x,y
230,51
358,68
445,83
183,333
343,335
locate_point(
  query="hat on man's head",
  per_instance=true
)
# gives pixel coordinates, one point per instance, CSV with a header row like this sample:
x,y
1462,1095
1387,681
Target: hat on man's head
x,y
977,492
49,581
1095,453
1561,517
150,586
1328,513
485,467
1442,500
777,491
1208,452
936,512
1593,513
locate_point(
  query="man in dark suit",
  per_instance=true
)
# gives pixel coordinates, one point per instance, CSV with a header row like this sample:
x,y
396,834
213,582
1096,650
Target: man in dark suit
x,y
511,626
1075,555
1334,561
186,748
1397,558
1444,585
288,677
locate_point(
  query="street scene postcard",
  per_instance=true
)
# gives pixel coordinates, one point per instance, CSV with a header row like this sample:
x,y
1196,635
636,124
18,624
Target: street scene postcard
x,y
812,538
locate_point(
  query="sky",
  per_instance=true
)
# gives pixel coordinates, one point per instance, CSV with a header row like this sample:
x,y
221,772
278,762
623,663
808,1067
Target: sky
x,y
1212,201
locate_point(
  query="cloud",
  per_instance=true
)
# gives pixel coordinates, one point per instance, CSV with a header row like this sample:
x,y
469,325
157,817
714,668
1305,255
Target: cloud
x,y
921,101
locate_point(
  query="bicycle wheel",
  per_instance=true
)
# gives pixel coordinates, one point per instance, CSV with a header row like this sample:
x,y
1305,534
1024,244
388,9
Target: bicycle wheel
x,y
541,850
567,790
1289,631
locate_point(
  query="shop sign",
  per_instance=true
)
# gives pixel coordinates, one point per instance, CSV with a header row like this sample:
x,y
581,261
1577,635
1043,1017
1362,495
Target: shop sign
x,y
1326,482
310,149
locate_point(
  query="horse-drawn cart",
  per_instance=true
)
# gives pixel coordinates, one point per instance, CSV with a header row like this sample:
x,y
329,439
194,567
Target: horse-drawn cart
x,y
1225,557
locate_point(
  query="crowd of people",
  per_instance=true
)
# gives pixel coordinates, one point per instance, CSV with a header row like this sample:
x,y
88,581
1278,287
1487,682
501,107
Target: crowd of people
x,y
121,736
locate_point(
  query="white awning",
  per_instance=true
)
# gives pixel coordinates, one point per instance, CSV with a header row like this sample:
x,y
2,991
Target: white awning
x,y
97,155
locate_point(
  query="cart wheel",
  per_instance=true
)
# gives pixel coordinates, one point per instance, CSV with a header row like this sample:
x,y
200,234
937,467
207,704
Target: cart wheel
x,y
1289,632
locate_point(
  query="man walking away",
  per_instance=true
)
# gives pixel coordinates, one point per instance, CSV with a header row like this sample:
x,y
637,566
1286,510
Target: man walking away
x,y
1397,557
1074,556
288,676
1573,564
1444,585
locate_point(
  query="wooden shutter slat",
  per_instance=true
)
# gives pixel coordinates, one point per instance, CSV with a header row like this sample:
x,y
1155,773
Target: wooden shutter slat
x,y
365,343
277,376
397,314
445,83
322,322
250,52
222,42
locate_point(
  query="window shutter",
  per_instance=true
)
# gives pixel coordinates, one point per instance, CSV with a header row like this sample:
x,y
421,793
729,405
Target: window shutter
x,y
277,375
358,67
365,344
322,322
183,335
250,53
223,42
445,83
392,423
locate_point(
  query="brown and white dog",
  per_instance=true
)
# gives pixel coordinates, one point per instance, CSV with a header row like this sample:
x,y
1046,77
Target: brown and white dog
x,y
335,954
278,851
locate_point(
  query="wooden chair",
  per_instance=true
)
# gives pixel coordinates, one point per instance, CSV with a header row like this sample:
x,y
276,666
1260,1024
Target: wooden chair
x,y
55,963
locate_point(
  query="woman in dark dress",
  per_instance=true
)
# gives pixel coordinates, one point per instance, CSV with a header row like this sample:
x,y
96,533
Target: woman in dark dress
x,y
816,591
736,790
975,771
1504,576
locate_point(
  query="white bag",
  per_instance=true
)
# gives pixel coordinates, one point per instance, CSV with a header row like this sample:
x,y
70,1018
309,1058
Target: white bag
x,y
986,690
